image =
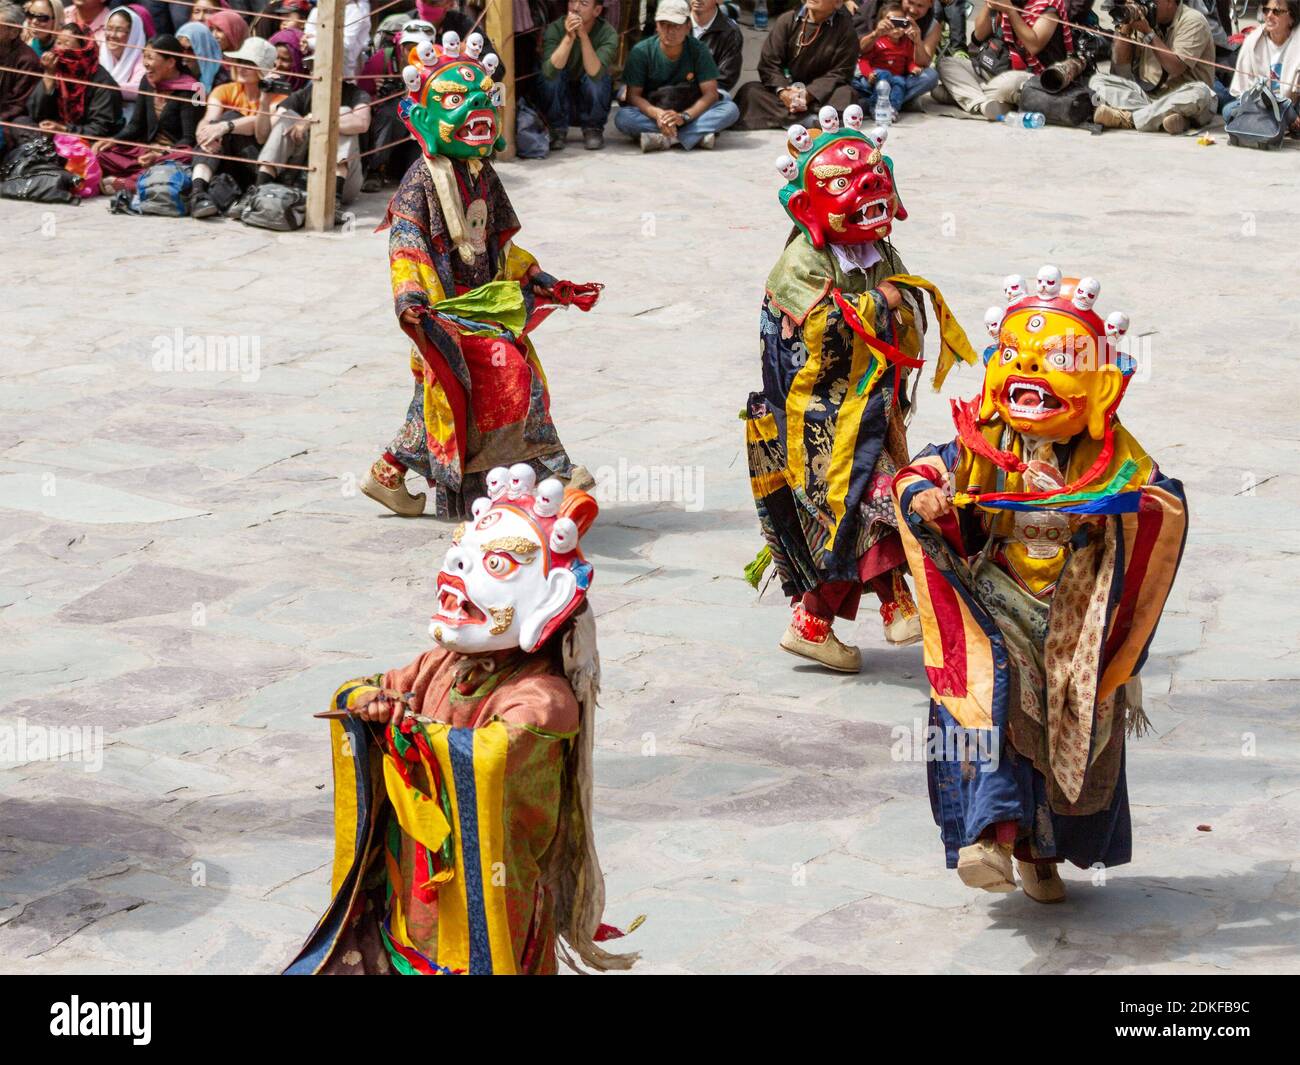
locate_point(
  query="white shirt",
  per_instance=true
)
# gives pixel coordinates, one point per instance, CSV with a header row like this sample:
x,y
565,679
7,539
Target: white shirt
x,y
699,31
356,28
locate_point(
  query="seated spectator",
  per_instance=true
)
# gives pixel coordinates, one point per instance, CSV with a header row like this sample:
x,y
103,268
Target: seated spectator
x,y
160,125
808,61
15,89
288,56
576,87
895,52
122,54
1271,51
92,14
42,20
672,87
392,149
1150,86
231,126
722,37
1036,35
287,130
67,106
205,63
230,30
288,15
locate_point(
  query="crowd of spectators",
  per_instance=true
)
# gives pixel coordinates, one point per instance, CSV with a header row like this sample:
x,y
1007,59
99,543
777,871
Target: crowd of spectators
x,y
224,86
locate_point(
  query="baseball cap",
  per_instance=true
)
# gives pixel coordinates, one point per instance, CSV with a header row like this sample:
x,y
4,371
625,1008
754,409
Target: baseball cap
x,y
415,31
259,52
677,11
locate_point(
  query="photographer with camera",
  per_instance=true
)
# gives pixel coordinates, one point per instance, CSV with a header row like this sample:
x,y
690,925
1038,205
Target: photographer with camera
x,y
1012,41
1160,73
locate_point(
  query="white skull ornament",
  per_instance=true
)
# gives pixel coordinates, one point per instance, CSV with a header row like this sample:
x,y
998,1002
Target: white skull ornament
x,y
498,480
1049,282
788,167
993,321
451,44
474,45
523,478
799,137
1014,286
1086,293
550,494
828,118
853,117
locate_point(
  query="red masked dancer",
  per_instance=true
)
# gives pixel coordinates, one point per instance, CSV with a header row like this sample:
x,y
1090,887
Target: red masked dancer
x,y
842,325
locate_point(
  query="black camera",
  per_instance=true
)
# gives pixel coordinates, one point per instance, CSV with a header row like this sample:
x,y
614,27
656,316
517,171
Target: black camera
x,y
1123,12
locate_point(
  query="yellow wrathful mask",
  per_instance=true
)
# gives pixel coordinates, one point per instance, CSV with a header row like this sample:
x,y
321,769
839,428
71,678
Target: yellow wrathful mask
x,y
1054,369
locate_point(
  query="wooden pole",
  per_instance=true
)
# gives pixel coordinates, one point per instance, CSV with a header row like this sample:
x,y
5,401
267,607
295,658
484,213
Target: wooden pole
x,y
500,27
326,98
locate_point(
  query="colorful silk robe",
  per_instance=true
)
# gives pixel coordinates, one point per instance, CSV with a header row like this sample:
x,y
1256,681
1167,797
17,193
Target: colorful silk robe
x,y
445,830
1034,660
481,397
830,417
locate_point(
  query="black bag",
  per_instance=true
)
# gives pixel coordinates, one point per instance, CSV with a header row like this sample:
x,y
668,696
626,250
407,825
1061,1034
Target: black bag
x,y
1072,106
273,206
1258,120
224,191
35,171
991,58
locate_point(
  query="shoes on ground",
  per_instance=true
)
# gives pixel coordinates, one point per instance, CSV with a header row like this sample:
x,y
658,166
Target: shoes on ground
x,y
203,206
811,637
558,139
593,139
987,865
1112,117
386,485
655,142
1041,881
1174,123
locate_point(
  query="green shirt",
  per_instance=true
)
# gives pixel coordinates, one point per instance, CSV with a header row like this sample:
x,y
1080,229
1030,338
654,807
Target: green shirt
x,y
649,69
604,41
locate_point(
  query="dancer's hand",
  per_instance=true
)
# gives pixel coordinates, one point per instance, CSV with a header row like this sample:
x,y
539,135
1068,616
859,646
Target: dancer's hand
x,y
932,504
892,296
388,704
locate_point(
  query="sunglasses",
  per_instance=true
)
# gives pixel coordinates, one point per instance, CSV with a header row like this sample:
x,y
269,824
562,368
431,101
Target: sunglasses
x,y
33,17
1273,10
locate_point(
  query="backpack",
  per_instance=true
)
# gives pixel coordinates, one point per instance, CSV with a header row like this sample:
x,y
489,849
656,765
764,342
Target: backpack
x,y
273,206
1257,122
531,140
1072,106
163,190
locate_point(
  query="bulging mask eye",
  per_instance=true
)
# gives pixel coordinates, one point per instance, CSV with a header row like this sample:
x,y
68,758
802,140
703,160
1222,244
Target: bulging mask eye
x,y
839,184
1059,359
1008,354
499,564
452,100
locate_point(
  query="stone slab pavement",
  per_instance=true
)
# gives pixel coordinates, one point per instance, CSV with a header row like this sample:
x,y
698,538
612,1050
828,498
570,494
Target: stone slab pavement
x,y
187,566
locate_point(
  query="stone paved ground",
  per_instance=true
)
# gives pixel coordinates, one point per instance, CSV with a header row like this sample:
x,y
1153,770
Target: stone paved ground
x,y
186,566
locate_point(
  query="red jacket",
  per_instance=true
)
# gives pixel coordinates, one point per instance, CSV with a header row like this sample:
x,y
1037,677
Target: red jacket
x,y
887,54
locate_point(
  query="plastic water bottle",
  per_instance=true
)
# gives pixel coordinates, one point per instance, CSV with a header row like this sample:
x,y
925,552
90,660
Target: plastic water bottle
x,y
884,109
760,15
1027,119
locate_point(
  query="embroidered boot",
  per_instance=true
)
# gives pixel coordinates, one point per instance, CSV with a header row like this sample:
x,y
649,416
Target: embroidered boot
x,y
901,620
386,484
1041,881
986,864
811,637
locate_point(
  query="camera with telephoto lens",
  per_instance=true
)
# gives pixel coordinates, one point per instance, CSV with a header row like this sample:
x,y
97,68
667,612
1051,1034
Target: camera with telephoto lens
x,y
1123,12
277,84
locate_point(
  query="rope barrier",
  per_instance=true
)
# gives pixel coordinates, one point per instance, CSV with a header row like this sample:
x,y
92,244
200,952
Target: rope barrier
x,y
1187,58
230,63
122,89
194,151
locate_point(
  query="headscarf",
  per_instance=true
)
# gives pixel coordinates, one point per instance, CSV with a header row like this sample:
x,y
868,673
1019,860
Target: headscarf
x,y
80,61
55,24
128,68
150,31
232,25
170,46
292,40
206,51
